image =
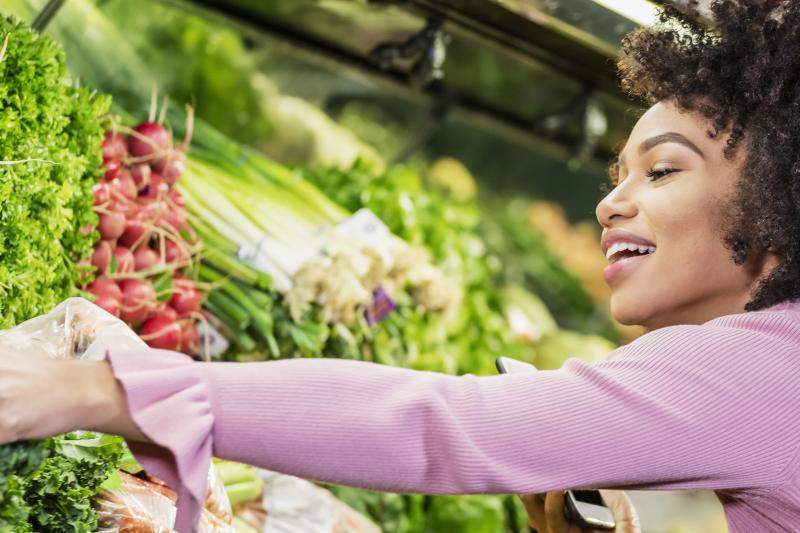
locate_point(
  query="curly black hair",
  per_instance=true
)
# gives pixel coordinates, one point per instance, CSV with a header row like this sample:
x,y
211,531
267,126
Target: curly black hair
x,y
742,72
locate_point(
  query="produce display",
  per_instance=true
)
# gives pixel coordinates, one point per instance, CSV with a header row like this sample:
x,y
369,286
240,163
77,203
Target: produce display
x,y
193,236
147,247
336,277
49,133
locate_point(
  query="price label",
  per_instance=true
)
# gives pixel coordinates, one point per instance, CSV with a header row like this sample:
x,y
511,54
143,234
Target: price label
x,y
364,227
382,305
212,342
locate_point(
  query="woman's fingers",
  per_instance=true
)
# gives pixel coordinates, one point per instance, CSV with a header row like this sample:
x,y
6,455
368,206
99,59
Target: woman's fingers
x,y
623,510
554,514
546,513
534,506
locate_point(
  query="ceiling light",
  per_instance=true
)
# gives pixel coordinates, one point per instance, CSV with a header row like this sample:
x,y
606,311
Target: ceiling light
x,y
640,11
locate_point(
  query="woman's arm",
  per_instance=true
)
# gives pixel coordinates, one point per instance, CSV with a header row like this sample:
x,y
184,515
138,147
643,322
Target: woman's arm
x,y
683,407
688,407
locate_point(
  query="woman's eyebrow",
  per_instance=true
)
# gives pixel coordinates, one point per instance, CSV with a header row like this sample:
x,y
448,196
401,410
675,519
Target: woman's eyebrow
x,y
669,137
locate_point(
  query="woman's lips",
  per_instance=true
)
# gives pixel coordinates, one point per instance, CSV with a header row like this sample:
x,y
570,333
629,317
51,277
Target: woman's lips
x,y
615,271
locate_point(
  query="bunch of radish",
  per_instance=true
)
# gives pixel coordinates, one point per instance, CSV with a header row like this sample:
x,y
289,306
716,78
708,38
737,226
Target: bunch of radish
x,y
146,247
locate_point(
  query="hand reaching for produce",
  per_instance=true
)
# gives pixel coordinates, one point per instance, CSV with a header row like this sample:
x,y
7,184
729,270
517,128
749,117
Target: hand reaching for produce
x,y
38,396
546,512
34,399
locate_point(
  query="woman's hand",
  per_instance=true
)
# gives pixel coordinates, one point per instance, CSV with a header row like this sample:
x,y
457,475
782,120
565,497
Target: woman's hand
x,y
41,397
546,512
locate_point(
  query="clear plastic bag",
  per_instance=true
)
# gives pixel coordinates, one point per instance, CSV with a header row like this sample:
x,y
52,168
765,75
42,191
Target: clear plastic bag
x,y
217,501
294,505
211,523
140,506
76,328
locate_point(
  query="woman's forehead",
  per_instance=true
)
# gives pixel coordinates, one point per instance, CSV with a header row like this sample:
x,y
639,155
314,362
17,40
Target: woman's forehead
x,y
665,121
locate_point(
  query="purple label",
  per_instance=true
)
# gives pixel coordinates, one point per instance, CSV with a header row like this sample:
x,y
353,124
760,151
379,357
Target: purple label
x,y
381,306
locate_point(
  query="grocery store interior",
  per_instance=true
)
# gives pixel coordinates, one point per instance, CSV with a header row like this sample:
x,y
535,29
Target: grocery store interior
x,y
407,182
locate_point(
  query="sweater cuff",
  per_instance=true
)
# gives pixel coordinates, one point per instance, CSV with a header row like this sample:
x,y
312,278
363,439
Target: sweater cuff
x,y
169,402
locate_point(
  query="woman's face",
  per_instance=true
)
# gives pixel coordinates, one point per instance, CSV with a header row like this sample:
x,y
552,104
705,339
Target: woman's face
x,y
673,187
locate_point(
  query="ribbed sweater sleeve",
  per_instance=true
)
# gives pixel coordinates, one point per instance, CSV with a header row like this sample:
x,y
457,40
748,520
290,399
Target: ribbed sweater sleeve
x,y
683,407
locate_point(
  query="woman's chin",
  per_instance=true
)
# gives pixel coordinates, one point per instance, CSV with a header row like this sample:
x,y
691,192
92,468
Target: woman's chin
x,y
628,311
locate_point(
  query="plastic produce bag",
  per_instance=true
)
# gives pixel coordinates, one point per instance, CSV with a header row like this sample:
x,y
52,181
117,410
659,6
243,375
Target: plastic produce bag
x,y
211,523
217,514
294,505
76,328
142,506
139,506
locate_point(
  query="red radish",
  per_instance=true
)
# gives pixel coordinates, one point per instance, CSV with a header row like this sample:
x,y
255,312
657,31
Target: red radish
x,y
137,230
108,303
190,337
111,225
126,207
128,185
141,175
176,218
87,229
158,188
138,300
145,258
185,297
149,139
101,193
122,187
171,166
162,332
175,167
113,168
125,262
103,286
114,146
176,198
167,311
155,210
174,252
101,258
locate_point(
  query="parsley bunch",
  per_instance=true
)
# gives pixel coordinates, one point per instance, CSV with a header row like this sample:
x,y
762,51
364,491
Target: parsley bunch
x,y
47,485
50,135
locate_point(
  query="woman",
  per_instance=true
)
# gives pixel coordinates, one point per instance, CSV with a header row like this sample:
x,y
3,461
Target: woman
x,y
703,234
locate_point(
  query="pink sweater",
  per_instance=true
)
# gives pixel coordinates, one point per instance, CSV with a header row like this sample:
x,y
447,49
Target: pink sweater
x,y
684,407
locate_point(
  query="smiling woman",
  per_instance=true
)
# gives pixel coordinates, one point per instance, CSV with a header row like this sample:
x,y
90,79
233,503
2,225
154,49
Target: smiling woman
x,y
702,230
674,192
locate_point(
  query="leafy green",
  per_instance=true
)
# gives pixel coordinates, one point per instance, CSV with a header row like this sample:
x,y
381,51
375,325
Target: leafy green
x,y
55,128
47,485
17,460
528,262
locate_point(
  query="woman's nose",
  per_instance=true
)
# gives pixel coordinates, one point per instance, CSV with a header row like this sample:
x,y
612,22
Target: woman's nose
x,y
616,204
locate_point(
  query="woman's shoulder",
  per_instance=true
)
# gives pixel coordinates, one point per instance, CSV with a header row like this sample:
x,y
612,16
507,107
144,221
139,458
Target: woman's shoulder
x,y
781,321
769,334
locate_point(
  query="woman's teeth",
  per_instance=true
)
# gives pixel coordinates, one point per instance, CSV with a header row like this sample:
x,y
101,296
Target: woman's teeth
x,y
627,246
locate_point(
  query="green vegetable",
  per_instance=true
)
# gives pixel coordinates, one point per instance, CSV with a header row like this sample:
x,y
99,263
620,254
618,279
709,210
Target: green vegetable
x,y
244,491
527,261
470,514
556,347
47,485
52,130
17,461
448,228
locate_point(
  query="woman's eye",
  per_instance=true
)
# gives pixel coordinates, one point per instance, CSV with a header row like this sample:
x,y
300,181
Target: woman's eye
x,y
655,174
